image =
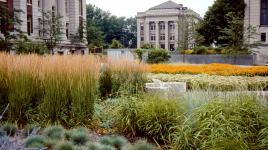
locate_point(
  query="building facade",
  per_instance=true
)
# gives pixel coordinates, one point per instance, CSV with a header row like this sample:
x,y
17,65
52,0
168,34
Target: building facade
x,y
256,15
73,13
159,26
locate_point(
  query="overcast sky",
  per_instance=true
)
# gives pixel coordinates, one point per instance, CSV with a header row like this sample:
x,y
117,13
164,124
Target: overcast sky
x,y
129,8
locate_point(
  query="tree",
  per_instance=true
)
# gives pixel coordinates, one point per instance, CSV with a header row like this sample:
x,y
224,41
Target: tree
x,y
116,44
216,19
51,28
9,21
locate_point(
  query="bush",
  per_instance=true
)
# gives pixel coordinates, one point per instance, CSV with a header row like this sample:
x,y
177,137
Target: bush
x,y
234,123
187,52
64,146
200,50
116,44
9,129
35,142
147,46
117,142
142,145
55,132
139,54
146,115
157,56
79,138
24,47
29,129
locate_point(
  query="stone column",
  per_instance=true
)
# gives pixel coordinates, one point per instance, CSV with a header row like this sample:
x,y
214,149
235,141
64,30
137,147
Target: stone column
x,y
47,6
138,34
176,34
61,12
166,36
157,34
146,32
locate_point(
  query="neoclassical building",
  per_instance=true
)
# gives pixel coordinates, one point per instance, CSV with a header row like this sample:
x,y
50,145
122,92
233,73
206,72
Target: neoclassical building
x,y
256,15
73,13
159,25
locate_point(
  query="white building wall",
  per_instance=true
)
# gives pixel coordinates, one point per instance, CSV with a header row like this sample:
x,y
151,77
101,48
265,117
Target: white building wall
x,y
21,5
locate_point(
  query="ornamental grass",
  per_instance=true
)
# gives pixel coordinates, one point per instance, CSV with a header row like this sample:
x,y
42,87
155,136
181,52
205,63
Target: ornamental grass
x,y
210,69
59,89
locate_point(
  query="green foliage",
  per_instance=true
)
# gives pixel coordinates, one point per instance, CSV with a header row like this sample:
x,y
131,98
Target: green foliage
x,y
79,138
55,132
230,123
142,145
147,115
147,46
98,146
64,146
9,129
2,133
215,20
116,44
35,142
102,28
51,28
200,50
27,47
117,142
105,82
24,95
29,129
157,56
139,54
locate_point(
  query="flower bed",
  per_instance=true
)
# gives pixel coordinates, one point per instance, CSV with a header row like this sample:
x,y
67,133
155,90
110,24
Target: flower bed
x,y
210,69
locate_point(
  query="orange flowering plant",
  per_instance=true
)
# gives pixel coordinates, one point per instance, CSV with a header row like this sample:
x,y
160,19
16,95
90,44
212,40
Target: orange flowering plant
x,y
210,69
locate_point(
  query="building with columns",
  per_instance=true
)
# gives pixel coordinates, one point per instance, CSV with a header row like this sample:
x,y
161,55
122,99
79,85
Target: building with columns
x,y
159,25
73,13
256,15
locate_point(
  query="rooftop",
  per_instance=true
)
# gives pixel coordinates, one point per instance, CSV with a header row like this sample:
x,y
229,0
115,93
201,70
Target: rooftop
x,y
167,5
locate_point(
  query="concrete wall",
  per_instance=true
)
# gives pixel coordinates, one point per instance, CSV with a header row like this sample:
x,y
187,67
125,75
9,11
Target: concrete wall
x,y
208,59
121,54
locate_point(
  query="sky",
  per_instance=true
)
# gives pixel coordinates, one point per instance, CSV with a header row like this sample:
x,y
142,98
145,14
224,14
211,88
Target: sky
x,y
129,8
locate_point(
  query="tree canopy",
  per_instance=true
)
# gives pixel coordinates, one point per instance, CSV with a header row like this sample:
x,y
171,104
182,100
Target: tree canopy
x,y
103,28
216,19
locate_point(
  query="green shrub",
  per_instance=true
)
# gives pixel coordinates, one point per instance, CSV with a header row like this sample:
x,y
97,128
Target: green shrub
x,y
9,129
98,146
68,135
55,132
27,47
147,46
200,50
139,53
64,146
79,138
157,56
116,44
150,115
105,82
35,142
117,142
142,145
2,133
233,123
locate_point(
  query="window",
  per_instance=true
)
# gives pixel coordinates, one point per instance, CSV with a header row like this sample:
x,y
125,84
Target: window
x,y
142,27
172,37
172,47
264,12
263,37
39,4
142,39
153,37
67,30
162,46
172,26
29,25
29,1
162,26
39,27
162,37
152,27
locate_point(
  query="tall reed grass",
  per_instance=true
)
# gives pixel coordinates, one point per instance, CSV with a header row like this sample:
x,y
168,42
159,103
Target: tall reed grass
x,y
59,89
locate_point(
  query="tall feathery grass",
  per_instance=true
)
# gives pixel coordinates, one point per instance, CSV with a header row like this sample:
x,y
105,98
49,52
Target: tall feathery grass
x,y
55,89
